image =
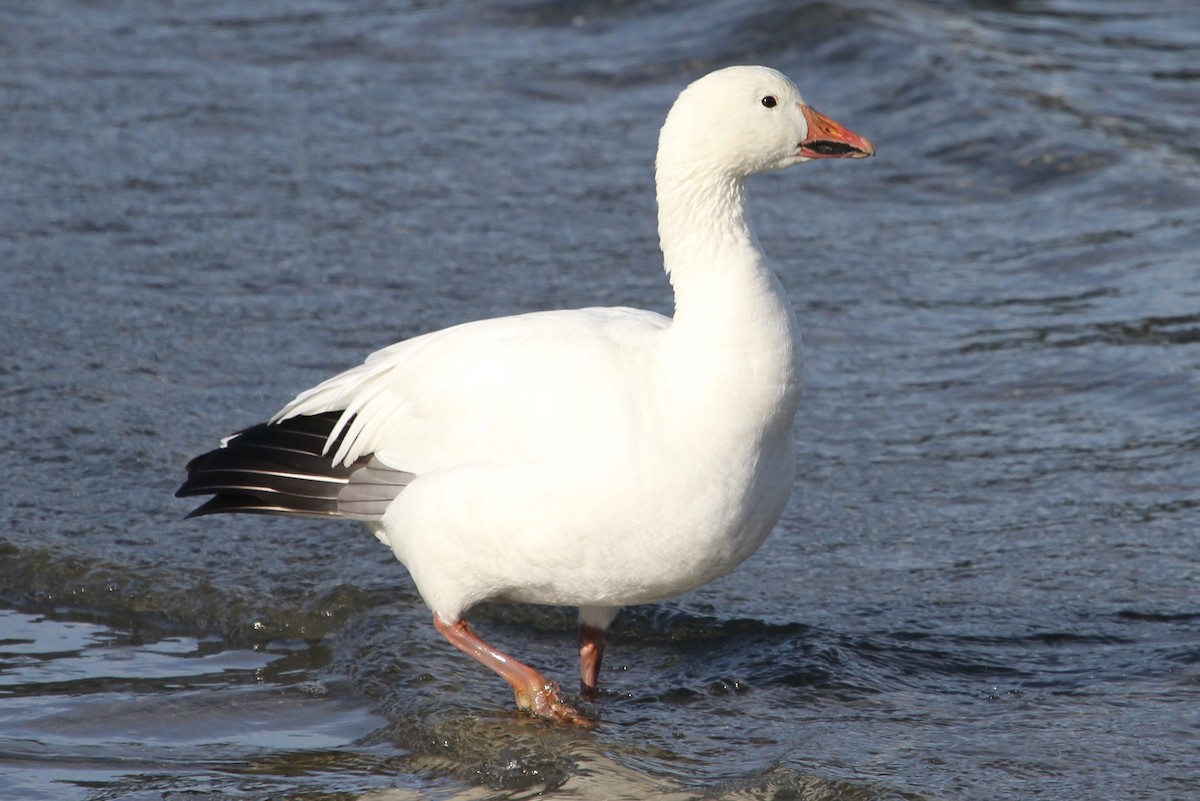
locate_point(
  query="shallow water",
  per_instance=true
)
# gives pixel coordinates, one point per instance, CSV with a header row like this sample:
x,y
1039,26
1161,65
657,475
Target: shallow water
x,y
986,585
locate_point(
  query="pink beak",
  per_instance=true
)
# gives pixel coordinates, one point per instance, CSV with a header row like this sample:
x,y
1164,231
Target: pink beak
x,y
829,140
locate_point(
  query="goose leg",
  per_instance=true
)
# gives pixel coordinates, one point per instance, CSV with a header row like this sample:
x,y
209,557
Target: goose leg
x,y
591,651
534,692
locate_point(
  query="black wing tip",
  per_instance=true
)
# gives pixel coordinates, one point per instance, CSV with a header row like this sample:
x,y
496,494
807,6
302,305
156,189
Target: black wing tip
x,y
296,444
250,504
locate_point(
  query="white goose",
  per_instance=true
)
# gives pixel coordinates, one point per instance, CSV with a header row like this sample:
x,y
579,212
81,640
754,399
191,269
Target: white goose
x,y
591,458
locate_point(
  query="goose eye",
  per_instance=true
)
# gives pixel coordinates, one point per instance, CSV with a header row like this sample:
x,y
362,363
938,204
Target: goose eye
x,y
769,101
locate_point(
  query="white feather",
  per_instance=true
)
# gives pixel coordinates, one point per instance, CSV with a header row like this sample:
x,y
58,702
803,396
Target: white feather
x,y
601,457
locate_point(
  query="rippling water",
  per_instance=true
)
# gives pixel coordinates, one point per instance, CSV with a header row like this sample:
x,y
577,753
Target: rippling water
x,y
987,585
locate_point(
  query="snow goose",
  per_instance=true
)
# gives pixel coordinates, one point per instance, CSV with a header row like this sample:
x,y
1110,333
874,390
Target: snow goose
x,y
591,458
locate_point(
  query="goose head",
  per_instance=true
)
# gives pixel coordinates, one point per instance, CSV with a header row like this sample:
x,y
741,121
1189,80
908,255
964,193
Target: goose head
x,y
739,121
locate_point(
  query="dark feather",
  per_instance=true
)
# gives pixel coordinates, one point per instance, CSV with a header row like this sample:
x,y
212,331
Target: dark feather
x,y
276,469
371,490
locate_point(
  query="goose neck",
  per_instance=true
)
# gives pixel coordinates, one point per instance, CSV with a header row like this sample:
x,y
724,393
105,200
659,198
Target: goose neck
x,y
702,219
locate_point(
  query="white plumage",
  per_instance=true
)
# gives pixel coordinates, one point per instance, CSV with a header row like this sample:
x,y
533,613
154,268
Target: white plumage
x,y
595,457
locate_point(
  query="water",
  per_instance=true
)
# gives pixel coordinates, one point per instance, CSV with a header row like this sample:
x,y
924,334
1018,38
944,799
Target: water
x,y
986,586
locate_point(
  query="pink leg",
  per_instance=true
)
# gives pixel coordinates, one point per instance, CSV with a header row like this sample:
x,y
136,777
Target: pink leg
x,y
591,651
534,692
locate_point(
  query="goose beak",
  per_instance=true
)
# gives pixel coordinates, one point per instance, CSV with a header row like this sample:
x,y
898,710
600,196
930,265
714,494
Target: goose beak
x,y
829,140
